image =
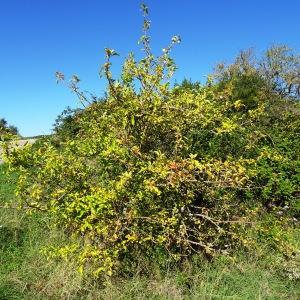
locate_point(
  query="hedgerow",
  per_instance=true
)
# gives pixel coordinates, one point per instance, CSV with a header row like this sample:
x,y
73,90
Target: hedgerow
x,y
184,169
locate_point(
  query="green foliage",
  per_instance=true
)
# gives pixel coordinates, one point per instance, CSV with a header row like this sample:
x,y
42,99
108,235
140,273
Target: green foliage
x,y
24,271
26,274
180,170
67,124
7,131
279,68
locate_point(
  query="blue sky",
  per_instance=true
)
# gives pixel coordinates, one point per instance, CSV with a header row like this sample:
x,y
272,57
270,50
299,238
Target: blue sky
x,y
39,37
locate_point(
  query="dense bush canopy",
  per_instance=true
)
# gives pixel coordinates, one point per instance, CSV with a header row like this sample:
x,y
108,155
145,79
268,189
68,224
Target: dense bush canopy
x,y
184,169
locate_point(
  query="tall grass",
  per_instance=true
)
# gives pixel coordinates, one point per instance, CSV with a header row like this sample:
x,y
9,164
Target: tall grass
x,y
26,274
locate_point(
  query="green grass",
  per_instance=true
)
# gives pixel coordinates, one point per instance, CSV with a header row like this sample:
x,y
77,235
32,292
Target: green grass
x,y
26,274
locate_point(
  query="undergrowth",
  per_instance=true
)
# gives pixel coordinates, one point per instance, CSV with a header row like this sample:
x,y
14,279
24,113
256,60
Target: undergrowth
x,y
25,273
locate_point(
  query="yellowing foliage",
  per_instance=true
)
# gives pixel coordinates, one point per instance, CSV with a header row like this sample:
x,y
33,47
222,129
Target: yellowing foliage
x,y
183,169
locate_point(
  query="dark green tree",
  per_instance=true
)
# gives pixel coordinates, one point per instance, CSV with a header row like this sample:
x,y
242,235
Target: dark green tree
x,y
5,128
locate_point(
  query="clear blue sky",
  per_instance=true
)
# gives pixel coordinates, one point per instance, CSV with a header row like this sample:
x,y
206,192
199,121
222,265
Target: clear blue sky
x,y
39,37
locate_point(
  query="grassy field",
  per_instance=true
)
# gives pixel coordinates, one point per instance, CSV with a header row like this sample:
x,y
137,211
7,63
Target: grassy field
x,y
26,274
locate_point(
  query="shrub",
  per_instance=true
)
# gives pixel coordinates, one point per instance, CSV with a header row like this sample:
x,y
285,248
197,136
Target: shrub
x,y
67,124
180,170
